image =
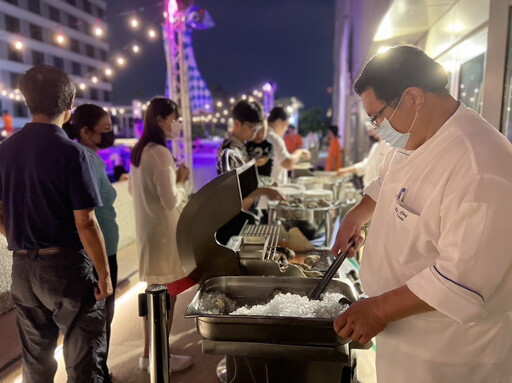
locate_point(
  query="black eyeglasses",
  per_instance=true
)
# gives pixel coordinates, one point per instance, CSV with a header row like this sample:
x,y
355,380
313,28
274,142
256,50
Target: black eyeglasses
x,y
374,118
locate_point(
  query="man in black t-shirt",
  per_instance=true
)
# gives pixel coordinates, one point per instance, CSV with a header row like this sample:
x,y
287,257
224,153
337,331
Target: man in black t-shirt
x,y
47,201
261,150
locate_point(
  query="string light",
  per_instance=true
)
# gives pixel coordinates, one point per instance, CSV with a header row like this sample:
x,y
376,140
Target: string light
x,y
94,79
135,48
18,45
120,61
60,39
134,22
82,86
108,72
98,31
231,100
151,33
219,104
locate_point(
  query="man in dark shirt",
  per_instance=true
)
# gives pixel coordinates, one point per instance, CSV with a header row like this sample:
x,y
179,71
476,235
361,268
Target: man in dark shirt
x,y
47,200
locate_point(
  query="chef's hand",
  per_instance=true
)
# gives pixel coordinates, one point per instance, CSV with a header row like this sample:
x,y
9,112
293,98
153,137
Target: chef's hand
x,y
350,228
361,322
104,288
182,173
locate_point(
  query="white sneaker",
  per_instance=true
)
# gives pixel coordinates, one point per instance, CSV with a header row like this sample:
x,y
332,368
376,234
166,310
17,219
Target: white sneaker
x,y
179,362
176,363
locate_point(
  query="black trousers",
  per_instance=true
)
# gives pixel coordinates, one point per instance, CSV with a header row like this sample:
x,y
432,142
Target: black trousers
x,y
109,311
56,292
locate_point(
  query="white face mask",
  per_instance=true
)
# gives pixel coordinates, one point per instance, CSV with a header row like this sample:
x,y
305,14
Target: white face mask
x,y
175,131
394,138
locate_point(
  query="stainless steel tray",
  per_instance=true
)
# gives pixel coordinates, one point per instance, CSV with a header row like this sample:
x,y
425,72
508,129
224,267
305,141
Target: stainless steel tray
x,y
269,329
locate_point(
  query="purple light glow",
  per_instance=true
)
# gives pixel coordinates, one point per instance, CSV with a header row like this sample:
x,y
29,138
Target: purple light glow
x,y
172,8
267,87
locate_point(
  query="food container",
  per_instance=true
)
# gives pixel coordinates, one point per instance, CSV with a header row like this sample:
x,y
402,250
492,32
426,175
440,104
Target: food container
x,y
275,329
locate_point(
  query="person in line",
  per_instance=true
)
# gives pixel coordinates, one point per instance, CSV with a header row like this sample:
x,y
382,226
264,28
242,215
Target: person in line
x,y
292,139
157,188
248,119
260,149
91,126
278,121
47,201
334,160
368,168
6,117
436,264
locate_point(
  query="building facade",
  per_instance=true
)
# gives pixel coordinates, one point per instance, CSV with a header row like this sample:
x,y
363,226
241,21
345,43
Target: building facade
x,y
69,34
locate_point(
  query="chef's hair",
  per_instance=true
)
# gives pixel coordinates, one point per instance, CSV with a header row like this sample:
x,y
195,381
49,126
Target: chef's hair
x,y
152,132
248,111
390,73
278,113
85,116
47,90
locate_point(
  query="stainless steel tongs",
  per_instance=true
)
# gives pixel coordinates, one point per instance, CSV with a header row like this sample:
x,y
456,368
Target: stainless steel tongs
x,y
329,274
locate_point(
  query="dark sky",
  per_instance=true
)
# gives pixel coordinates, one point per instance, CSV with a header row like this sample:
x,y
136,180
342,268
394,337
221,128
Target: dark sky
x,y
289,42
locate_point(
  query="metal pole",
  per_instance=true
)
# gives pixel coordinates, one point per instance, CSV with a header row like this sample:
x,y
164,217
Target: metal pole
x,y
155,305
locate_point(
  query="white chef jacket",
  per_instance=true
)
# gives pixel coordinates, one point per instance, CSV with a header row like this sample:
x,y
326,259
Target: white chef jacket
x,y
448,238
369,166
156,201
279,174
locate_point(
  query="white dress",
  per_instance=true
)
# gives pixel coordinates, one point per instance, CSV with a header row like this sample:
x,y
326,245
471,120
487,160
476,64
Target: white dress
x,y
448,238
157,203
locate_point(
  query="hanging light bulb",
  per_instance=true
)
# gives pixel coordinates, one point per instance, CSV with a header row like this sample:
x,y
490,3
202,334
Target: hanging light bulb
x,y
60,39
120,61
134,22
108,72
82,86
98,31
135,48
94,79
151,33
219,103
18,45
231,100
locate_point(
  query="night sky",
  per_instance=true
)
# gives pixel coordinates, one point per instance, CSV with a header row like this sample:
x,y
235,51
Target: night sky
x,y
289,42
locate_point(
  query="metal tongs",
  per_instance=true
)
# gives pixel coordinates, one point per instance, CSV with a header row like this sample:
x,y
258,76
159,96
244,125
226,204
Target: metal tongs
x,y
329,274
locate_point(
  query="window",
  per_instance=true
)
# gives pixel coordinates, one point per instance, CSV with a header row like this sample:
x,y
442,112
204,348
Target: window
x,y
54,14
36,32
34,6
12,24
79,93
89,50
90,70
99,12
20,109
15,2
93,93
106,96
72,2
103,55
72,22
76,68
15,79
37,58
87,6
86,27
58,62
75,45
14,54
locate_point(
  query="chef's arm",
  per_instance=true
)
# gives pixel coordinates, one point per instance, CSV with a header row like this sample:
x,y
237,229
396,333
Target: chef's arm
x,y
92,239
2,226
351,225
366,318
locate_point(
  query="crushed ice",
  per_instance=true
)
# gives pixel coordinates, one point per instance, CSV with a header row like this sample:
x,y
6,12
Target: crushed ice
x,y
282,304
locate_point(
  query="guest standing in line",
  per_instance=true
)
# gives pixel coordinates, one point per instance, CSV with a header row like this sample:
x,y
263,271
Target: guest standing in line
x,y
91,126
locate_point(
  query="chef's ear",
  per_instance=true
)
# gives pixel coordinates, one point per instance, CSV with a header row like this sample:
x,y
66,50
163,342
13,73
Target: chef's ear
x,y
414,96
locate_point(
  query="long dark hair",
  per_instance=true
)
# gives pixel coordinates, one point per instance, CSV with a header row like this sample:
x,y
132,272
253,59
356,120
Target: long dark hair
x,y
86,115
158,106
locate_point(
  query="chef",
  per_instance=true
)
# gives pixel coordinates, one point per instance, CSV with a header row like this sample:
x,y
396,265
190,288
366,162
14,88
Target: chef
x,y
437,264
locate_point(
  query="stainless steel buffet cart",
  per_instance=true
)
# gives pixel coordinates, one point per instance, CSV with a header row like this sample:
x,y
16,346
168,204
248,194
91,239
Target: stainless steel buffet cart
x,y
222,251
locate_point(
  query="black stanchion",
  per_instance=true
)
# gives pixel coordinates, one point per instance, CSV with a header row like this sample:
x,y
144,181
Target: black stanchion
x,y
154,304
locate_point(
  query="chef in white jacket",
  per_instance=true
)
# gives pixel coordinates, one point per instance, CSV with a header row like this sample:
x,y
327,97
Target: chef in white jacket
x,y
437,264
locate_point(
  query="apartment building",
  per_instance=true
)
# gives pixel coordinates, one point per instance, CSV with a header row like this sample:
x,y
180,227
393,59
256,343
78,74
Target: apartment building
x,y
69,34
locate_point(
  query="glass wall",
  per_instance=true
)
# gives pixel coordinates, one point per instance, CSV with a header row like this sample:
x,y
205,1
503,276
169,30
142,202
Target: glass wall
x,y
506,121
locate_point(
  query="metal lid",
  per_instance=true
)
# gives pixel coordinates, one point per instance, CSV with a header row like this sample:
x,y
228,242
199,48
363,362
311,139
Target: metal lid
x,y
211,208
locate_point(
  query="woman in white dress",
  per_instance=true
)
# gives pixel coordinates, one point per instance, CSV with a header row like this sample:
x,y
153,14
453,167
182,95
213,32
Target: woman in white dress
x,y
157,189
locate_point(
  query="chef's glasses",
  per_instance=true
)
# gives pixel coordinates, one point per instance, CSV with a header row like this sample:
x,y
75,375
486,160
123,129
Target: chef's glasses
x,y
373,120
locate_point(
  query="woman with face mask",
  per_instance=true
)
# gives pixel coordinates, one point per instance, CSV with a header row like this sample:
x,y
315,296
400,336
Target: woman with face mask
x,y
91,126
157,189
